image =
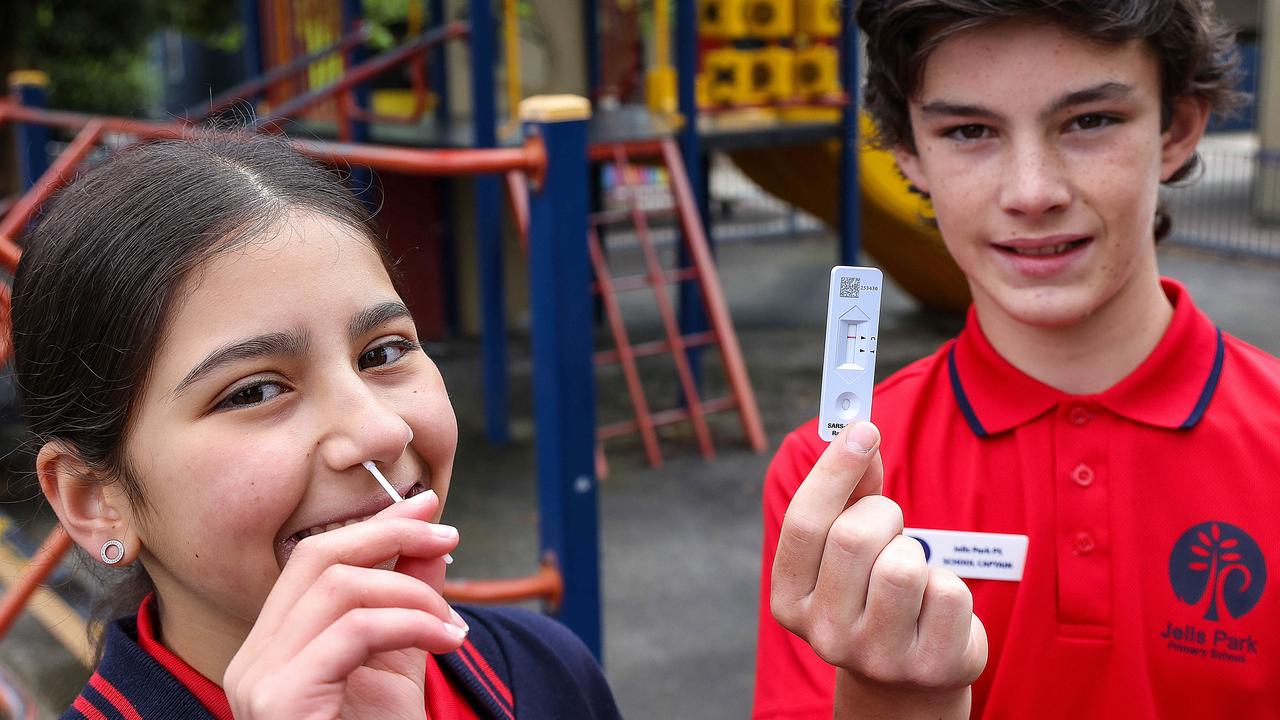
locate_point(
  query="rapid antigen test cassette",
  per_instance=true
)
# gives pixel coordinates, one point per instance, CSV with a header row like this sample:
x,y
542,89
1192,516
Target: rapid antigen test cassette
x,y
849,361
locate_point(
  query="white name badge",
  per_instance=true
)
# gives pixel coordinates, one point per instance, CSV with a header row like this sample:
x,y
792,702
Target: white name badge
x,y
976,555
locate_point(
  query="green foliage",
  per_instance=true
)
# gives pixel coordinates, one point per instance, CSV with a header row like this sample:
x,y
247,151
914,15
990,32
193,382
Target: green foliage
x,y
95,52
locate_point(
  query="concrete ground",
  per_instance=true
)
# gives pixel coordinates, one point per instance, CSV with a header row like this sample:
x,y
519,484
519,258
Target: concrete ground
x,y
680,544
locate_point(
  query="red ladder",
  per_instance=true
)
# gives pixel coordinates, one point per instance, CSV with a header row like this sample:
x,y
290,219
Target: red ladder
x,y
621,156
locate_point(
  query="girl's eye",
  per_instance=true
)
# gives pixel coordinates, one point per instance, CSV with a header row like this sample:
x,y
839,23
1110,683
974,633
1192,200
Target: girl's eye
x,y
251,395
968,132
385,354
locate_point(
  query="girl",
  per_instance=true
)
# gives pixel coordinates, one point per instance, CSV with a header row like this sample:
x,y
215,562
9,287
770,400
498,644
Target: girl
x,y
209,345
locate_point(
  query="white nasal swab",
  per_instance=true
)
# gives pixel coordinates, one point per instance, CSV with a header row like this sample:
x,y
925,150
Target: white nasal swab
x,y
395,496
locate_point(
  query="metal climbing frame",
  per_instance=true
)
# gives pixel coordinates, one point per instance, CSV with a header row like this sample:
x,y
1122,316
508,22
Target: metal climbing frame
x,y
700,273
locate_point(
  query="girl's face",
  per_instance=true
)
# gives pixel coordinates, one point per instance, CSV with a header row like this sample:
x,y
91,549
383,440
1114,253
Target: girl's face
x,y
287,362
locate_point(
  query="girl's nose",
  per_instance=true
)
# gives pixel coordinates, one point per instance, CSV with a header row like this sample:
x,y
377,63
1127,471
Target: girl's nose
x,y
362,427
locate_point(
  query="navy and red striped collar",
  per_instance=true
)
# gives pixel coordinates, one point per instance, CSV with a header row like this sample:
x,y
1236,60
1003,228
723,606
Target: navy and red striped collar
x,y
1170,389
139,677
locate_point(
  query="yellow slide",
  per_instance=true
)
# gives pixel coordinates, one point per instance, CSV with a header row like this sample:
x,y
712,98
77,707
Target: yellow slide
x,y
894,231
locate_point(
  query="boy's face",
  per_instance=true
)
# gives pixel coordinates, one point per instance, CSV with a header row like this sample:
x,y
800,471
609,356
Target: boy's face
x,y
1043,153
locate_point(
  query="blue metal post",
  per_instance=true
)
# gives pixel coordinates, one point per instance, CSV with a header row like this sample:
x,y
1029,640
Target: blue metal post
x,y
29,87
563,375
439,70
850,194
361,178
591,39
438,74
252,51
692,316
488,213
353,13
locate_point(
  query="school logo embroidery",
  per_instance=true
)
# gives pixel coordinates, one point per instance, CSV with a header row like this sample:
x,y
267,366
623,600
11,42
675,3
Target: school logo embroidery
x,y
1219,570
1218,566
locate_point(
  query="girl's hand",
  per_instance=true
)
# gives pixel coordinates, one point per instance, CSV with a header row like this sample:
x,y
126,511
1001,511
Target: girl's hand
x,y
339,637
846,580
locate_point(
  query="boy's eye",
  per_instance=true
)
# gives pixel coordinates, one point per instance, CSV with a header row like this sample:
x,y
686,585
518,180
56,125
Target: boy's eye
x,y
968,132
1092,121
251,395
385,354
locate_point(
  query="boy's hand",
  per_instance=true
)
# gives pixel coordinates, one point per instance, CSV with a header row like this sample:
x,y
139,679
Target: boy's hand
x,y
339,635
847,581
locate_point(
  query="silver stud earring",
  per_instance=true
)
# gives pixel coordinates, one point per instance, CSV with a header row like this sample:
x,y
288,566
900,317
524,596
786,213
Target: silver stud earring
x,y
106,554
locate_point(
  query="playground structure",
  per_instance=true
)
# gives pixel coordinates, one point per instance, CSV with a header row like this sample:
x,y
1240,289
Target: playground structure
x,y
324,80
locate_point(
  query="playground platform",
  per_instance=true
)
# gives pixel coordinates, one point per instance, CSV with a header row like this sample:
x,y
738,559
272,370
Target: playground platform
x,y
681,544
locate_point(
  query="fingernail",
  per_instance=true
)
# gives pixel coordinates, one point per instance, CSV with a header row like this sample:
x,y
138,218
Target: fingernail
x,y
422,498
448,559
455,632
445,531
457,620
862,437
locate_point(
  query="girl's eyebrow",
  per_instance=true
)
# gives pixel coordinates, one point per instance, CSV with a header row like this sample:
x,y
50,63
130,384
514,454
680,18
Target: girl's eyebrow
x,y
371,317
266,345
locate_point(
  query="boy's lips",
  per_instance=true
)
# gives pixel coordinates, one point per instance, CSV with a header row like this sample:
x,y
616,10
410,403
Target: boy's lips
x,y
1042,256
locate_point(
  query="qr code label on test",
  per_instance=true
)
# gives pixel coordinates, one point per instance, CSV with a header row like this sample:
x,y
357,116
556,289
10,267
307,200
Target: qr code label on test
x,y
850,287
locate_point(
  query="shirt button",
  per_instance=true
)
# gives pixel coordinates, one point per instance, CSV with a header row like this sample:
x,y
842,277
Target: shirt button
x,y
1082,475
1080,415
1084,543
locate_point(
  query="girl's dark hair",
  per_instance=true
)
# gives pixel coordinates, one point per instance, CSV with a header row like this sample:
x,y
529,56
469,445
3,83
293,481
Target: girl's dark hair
x,y
1195,50
100,270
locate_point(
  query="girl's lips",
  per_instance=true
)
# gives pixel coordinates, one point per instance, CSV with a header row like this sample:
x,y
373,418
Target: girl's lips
x,y
366,511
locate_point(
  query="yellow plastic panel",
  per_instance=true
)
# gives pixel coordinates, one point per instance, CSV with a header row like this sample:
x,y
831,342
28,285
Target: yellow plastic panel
x,y
771,18
818,18
816,71
728,76
721,19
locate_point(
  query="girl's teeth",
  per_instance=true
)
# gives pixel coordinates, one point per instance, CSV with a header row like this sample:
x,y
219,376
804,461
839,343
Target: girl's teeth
x,y
331,526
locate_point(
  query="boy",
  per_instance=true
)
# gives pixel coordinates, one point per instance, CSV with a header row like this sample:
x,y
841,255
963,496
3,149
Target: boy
x,y
1087,404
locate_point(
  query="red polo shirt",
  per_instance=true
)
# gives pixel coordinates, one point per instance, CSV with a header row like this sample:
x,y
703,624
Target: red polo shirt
x,y
443,700
1152,515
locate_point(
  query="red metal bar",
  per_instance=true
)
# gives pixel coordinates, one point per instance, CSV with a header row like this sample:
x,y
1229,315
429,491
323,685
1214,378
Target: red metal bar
x,y
617,217
530,158
834,100
364,71
656,347
713,298
666,417
55,545
547,584
518,194
636,282
619,329
625,174
270,78
58,174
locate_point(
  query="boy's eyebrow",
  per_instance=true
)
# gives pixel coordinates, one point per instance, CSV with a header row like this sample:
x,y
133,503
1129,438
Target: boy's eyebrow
x,y
1101,91
371,317
266,345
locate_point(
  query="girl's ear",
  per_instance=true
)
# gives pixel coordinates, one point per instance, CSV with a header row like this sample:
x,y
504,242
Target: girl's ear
x,y
909,164
1179,141
93,510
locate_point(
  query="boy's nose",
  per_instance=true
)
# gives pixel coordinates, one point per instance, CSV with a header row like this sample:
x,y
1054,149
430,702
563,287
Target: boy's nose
x,y
1033,183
